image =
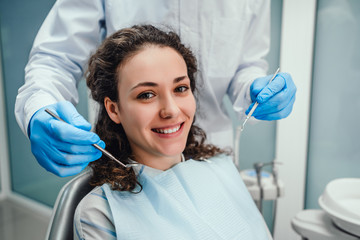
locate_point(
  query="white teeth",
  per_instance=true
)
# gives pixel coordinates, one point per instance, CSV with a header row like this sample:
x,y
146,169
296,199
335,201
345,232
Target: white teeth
x,y
167,131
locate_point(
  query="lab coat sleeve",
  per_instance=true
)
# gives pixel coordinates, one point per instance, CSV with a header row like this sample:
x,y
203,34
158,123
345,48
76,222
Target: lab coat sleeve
x,y
70,32
253,63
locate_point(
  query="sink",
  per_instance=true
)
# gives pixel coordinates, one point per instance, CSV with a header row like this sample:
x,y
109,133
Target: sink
x,y
341,201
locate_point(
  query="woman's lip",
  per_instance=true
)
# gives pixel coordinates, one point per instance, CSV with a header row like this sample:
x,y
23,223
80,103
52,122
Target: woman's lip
x,y
173,129
168,127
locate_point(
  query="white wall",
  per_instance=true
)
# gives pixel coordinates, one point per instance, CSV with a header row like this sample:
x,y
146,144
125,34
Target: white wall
x,y
4,154
296,57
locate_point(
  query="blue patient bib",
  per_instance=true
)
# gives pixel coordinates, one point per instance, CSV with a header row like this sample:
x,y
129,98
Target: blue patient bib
x,y
192,200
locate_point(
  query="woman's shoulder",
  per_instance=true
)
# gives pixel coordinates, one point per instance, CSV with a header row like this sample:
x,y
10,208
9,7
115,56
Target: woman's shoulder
x,y
95,199
223,162
93,216
221,158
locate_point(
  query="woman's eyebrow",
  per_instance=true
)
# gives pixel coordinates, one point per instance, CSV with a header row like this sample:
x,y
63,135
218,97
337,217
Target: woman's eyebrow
x,y
178,79
152,84
144,84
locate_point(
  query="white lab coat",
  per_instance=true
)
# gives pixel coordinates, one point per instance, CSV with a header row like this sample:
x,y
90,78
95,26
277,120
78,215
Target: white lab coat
x,y
229,38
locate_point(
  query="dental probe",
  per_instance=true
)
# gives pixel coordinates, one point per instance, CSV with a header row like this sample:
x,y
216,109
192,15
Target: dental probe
x,y
95,145
256,103
240,128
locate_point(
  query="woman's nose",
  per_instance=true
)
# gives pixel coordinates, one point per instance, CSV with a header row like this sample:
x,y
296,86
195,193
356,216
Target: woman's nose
x,y
169,108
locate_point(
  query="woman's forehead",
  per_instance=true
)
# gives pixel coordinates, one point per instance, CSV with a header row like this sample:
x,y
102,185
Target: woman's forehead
x,y
152,64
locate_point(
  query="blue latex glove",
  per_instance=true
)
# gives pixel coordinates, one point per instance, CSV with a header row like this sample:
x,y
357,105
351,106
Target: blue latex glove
x,y
276,99
64,149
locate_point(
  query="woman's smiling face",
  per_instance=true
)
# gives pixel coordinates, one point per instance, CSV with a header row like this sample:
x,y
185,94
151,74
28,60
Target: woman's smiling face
x,y
156,106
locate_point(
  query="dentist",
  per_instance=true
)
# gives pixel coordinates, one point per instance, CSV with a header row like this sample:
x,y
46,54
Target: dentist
x,y
229,38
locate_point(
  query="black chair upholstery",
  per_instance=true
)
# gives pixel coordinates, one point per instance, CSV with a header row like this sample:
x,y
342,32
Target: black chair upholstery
x,y
61,224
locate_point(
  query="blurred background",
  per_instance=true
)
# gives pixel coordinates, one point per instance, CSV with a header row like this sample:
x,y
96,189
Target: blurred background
x,y
316,41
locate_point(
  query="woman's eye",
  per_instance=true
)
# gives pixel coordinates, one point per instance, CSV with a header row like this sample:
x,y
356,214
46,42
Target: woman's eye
x,y
145,95
181,89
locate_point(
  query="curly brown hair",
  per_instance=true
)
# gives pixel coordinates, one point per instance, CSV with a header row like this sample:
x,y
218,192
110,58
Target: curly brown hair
x,y
102,79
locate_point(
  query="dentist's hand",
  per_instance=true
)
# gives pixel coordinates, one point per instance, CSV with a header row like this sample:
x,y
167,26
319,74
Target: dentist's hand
x,y
64,149
276,99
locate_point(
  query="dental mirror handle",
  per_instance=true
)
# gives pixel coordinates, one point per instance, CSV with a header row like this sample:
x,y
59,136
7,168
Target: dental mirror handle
x,y
95,145
256,103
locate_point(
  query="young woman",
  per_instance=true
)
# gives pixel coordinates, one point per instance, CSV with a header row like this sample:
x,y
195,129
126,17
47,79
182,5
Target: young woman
x,y
178,187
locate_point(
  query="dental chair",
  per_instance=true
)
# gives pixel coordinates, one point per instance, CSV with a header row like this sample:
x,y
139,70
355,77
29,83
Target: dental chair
x,y
61,223
339,218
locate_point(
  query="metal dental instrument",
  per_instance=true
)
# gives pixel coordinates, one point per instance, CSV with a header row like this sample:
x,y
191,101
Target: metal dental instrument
x,y
240,128
106,153
256,103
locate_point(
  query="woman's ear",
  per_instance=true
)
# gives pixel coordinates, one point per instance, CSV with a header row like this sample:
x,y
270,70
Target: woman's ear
x,y
112,110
